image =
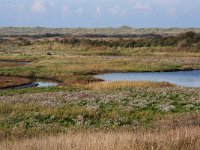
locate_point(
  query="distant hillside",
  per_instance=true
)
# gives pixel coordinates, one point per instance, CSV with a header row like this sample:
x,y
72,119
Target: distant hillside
x,y
82,31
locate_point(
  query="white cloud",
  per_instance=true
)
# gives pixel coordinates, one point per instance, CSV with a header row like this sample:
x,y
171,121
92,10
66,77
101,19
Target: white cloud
x,y
117,10
38,6
168,2
172,12
52,3
98,10
142,6
79,11
19,7
65,11
162,2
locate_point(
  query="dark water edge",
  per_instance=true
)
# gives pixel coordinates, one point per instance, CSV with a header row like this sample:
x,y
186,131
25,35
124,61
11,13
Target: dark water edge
x,y
36,83
15,61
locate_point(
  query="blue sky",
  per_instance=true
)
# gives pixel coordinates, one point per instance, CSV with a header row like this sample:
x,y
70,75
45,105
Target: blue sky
x,y
100,13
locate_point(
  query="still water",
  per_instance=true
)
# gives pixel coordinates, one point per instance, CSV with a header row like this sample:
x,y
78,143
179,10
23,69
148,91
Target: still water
x,y
180,78
45,83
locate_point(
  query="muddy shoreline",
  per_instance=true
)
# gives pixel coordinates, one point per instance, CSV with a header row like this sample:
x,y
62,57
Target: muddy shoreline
x,y
20,86
36,82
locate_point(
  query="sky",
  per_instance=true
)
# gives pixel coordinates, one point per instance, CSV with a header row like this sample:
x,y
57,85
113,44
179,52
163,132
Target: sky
x,y
100,13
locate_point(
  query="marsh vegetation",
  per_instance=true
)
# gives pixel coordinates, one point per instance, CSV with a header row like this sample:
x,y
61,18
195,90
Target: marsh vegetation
x,y
89,107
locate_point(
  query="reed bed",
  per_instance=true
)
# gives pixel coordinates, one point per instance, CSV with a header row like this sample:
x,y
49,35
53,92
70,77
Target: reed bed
x,y
181,138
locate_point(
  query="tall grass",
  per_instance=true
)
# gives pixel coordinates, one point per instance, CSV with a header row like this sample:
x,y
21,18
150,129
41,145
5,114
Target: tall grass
x,y
182,138
126,84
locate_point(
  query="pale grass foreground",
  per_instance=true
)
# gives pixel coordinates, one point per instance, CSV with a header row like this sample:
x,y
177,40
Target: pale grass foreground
x,y
182,138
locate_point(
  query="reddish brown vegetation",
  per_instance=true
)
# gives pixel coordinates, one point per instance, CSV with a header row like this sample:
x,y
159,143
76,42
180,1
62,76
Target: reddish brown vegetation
x,y
6,82
9,64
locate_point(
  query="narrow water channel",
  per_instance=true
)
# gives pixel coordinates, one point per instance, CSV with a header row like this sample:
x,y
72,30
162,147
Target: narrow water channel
x,y
15,61
36,83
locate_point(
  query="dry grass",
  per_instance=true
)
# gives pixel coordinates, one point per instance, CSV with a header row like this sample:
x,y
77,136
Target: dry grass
x,y
183,138
126,84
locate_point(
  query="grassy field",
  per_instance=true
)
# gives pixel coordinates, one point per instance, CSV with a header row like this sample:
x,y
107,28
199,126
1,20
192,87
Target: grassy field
x,y
145,114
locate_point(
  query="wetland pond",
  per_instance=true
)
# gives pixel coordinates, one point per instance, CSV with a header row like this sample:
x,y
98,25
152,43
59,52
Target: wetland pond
x,y
180,78
34,83
45,83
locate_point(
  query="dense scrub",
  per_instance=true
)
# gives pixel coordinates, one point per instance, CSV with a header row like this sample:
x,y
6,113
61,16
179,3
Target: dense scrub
x,y
187,40
14,31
